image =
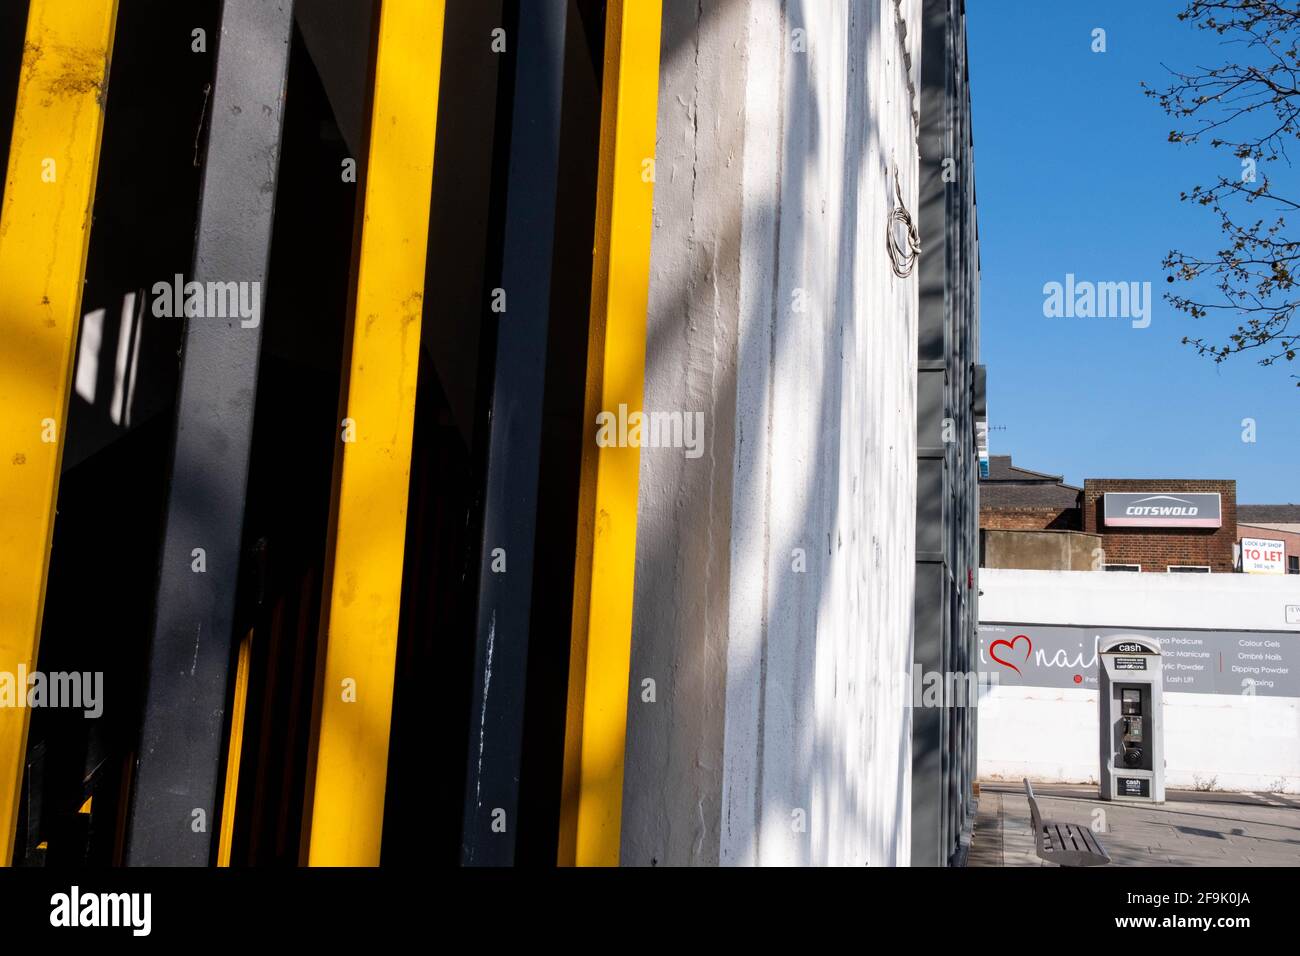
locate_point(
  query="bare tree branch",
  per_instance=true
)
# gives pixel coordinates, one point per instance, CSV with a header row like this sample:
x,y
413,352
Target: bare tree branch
x,y
1251,110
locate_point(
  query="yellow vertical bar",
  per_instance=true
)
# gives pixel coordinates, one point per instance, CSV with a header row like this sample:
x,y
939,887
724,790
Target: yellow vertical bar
x,y
603,582
234,750
44,238
369,528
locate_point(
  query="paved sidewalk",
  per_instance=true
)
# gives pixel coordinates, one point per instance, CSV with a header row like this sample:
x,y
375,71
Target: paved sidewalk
x,y
1191,828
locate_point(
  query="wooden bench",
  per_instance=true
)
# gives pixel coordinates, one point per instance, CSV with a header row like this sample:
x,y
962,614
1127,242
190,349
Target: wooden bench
x,y
1065,844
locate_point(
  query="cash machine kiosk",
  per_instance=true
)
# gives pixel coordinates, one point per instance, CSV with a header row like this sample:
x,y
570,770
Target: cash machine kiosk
x,y
1132,720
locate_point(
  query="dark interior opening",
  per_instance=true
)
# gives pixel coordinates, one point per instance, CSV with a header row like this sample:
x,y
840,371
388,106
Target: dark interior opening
x,y
563,432
294,433
13,27
435,654
429,745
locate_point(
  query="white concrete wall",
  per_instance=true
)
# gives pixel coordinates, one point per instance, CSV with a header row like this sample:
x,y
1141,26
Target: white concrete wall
x,y
672,781
815,722
774,309
1222,742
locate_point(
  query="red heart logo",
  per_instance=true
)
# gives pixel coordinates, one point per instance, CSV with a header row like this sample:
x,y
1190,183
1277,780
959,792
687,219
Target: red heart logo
x,y
1011,644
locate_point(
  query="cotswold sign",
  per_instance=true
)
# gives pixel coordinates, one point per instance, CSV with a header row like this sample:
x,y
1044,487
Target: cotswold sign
x,y
1260,663
1162,510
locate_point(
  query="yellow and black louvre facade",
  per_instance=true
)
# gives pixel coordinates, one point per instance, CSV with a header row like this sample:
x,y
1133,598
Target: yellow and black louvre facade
x,y
483,432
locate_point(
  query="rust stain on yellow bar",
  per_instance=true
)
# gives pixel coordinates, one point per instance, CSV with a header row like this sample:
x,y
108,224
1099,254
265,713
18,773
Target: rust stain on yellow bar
x,y
346,802
44,238
600,654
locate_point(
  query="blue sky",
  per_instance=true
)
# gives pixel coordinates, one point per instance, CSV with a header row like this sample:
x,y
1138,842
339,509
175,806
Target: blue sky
x,y
1075,174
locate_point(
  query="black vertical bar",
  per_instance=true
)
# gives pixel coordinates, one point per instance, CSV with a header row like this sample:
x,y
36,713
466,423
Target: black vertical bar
x,y
542,772
514,445
929,724
173,815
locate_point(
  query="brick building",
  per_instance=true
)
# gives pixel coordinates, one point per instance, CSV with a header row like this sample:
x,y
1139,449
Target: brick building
x,y
1017,499
1034,520
1169,536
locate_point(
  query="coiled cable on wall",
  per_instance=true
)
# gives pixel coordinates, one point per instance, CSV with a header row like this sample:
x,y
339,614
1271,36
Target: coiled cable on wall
x,y
903,257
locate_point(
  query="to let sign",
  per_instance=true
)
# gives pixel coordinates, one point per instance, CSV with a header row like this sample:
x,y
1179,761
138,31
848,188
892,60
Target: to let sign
x,y
1263,556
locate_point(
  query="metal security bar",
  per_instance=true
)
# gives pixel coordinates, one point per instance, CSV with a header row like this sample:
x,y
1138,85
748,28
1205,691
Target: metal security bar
x,y
514,452
174,806
345,796
44,236
606,552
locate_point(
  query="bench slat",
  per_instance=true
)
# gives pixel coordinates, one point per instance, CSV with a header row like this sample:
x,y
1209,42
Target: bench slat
x,y
1067,838
1080,836
1090,840
1066,844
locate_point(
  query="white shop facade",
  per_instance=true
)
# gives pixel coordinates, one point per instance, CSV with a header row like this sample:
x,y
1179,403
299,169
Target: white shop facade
x,y
1231,647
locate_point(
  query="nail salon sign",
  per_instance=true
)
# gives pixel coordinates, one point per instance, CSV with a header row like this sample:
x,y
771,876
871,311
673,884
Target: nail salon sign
x,y
1265,663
